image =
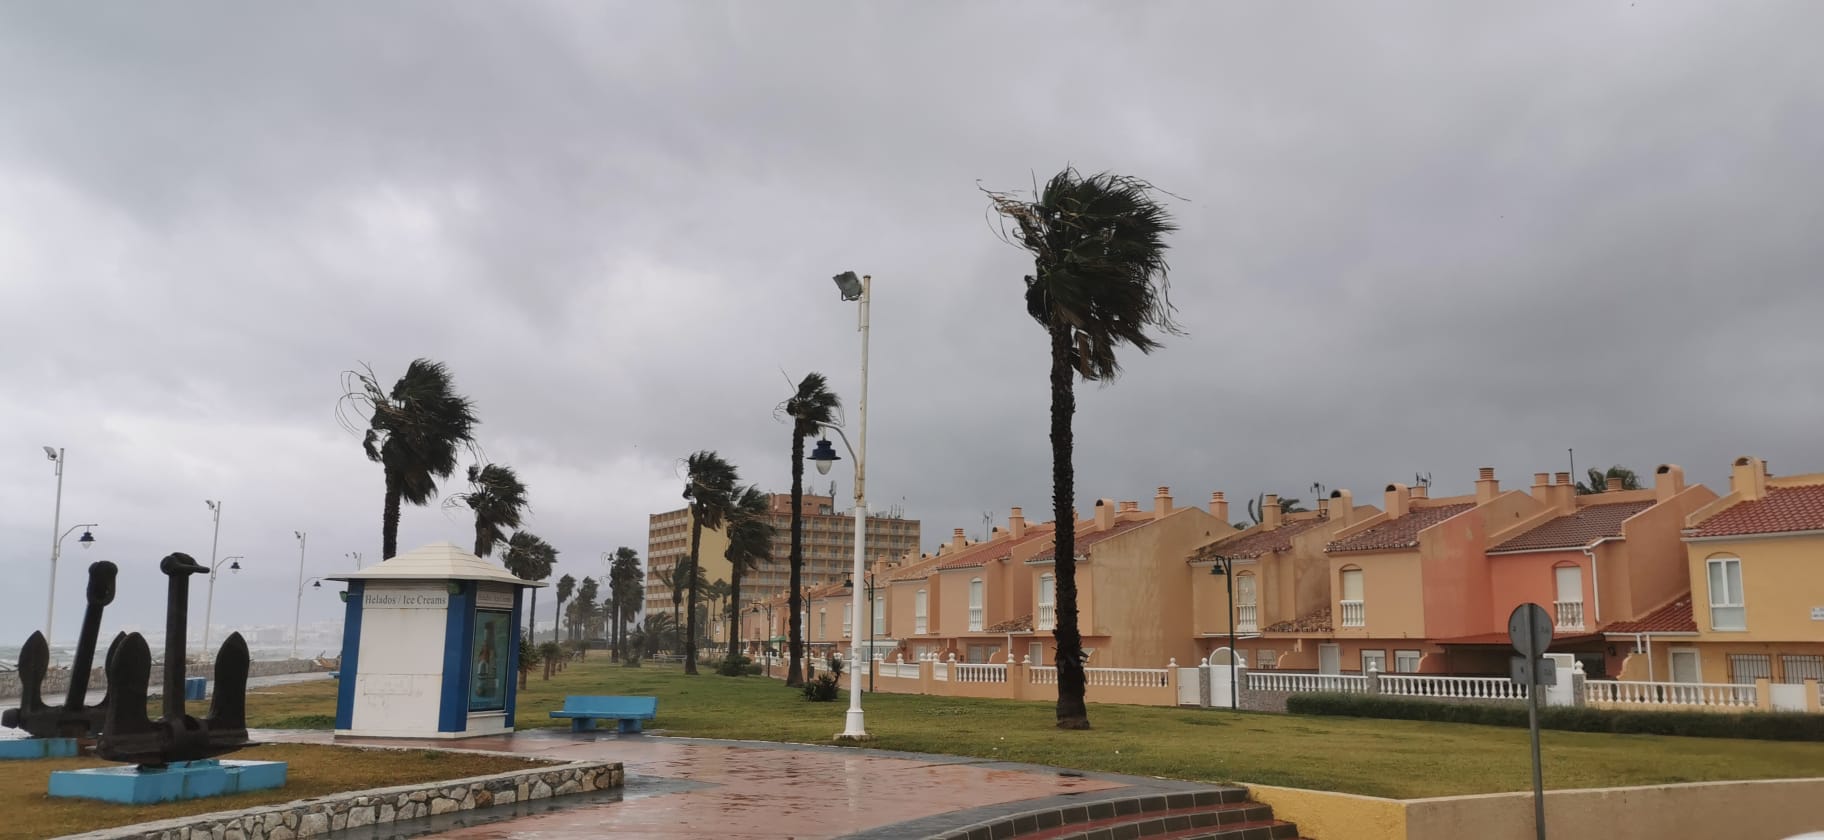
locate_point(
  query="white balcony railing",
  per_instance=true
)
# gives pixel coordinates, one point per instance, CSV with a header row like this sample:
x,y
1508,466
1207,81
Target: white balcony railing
x,y
1354,614
975,619
1284,681
1048,617
1247,618
1642,693
1569,614
976,673
1463,688
1106,677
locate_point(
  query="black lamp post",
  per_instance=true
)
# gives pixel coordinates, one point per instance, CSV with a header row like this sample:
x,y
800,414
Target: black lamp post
x,y
755,609
1221,569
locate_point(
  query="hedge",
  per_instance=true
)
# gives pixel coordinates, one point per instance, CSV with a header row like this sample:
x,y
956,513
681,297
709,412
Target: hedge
x,y
1760,726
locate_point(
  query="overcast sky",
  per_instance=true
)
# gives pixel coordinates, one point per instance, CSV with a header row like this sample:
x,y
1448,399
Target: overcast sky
x,y
1415,238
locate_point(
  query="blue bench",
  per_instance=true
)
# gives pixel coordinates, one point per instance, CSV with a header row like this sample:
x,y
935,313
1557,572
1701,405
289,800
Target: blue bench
x,y
584,710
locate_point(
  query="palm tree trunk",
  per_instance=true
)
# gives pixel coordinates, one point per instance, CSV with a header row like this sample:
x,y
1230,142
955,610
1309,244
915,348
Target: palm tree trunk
x,y
794,669
1072,712
532,618
734,612
690,614
614,632
389,520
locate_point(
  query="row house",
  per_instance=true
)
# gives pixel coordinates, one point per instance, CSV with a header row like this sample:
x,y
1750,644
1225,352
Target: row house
x,y
1751,599
1426,585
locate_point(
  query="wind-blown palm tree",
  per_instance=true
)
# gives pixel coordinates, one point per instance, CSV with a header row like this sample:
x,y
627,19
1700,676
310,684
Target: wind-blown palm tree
x,y
674,578
1098,282
1599,480
413,432
498,498
530,558
586,593
623,575
750,543
633,593
811,408
709,484
566,586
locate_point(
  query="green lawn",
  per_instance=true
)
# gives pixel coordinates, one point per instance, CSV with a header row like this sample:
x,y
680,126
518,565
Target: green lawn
x,y
1402,759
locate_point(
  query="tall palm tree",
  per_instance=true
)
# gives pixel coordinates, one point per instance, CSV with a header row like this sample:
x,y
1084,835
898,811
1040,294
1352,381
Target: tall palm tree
x,y
586,595
530,558
1098,282
633,592
1599,480
498,498
750,543
709,485
674,578
566,586
811,408
623,574
413,432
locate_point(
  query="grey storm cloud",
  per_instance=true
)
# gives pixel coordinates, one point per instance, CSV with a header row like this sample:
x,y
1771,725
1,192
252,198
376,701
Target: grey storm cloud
x,y
1416,237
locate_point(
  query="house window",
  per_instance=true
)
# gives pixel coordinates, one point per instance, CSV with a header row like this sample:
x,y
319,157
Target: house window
x,y
1797,669
847,619
975,604
1048,602
1353,609
1035,651
1265,659
823,621
1374,660
1406,661
1745,668
880,617
1726,610
1246,613
920,624
1569,604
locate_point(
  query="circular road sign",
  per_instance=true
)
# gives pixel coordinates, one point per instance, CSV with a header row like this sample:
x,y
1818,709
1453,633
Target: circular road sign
x,y
1530,629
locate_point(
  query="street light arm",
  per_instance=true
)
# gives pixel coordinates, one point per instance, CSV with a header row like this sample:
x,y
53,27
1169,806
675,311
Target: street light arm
x,y
72,530
831,427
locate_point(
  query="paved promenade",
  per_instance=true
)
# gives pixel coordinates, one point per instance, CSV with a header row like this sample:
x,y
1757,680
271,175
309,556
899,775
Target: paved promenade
x,y
679,787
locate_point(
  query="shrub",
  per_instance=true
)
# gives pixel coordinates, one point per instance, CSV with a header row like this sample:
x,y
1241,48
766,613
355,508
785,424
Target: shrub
x,y
1762,726
820,689
735,665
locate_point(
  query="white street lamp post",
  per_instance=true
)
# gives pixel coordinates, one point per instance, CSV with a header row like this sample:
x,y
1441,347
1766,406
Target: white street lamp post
x,y
50,610
855,727
215,507
298,610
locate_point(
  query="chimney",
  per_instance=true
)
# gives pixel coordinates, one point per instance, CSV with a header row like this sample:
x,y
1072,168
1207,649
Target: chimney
x,y
1128,507
1399,501
1487,488
1342,508
1269,512
1612,484
1668,481
1162,502
958,539
1564,491
1219,506
1748,478
1105,514
1016,523
1542,488
1421,491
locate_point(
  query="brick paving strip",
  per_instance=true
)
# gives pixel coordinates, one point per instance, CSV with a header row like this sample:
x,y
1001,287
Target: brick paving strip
x,y
749,789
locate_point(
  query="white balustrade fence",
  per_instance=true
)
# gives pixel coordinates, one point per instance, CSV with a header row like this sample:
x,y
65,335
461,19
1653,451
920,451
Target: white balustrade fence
x,y
978,673
1463,688
1127,677
1569,614
940,670
1048,616
900,669
1285,681
1643,693
1355,614
1247,618
1042,675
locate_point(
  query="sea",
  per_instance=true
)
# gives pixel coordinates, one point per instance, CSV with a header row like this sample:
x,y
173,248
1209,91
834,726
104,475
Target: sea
x,y
64,654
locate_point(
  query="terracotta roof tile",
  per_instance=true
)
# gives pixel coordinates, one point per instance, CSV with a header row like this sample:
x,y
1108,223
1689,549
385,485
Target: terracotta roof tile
x,y
1242,545
1399,533
1084,541
1575,530
1313,622
1017,625
1785,509
1675,617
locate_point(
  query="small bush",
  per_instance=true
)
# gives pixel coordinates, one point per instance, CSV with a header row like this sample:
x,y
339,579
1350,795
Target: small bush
x,y
1761,726
735,665
820,689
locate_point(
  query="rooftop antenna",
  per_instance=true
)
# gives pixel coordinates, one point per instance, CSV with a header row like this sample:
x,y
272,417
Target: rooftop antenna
x,y
987,520
1421,480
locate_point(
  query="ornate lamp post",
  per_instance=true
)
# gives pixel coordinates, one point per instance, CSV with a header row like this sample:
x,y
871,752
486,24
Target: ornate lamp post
x,y
57,537
856,289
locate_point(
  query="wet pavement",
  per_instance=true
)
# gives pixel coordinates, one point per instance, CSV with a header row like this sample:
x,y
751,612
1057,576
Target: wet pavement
x,y
682,787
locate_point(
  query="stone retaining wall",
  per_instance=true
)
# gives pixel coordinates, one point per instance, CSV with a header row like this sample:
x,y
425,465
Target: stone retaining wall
x,y
58,681
336,812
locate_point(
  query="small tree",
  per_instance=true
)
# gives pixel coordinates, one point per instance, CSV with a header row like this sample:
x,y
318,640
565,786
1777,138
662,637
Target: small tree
x,y
1599,480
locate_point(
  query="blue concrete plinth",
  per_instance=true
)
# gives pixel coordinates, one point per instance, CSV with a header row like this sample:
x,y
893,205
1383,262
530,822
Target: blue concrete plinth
x,y
195,687
39,748
179,780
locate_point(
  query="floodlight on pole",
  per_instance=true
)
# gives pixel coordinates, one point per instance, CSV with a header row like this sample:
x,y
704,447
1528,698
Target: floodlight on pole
x,y
215,508
856,289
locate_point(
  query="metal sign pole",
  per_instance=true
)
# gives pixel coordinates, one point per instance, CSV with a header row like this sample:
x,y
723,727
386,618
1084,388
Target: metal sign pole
x,y
1532,725
1530,629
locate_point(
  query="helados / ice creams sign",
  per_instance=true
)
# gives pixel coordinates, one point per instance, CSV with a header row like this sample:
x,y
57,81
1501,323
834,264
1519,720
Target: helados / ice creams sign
x,y
410,600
